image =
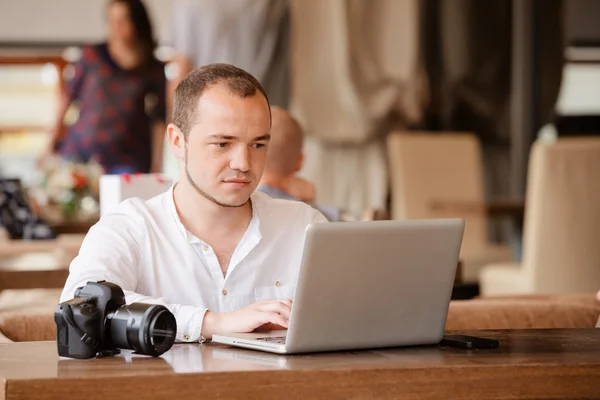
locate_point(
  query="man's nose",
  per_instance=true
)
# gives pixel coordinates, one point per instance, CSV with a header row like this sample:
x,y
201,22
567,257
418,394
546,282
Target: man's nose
x,y
241,159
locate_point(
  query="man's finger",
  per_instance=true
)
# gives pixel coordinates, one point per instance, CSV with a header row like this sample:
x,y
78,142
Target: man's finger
x,y
263,302
278,307
273,318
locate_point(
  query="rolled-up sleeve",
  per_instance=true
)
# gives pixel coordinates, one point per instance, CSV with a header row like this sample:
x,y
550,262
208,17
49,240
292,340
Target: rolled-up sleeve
x,y
111,252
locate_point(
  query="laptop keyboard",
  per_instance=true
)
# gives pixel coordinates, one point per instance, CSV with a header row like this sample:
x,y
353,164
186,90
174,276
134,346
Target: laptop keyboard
x,y
273,339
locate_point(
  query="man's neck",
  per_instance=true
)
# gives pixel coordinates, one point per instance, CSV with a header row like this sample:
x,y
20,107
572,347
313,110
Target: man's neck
x,y
203,218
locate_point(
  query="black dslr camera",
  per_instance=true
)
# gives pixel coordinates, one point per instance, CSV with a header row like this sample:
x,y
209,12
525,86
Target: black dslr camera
x,y
97,322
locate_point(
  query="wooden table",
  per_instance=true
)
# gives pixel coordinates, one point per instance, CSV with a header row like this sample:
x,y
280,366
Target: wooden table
x,y
34,270
529,364
70,227
77,226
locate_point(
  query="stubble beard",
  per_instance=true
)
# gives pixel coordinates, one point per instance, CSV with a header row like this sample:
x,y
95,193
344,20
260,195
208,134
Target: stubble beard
x,y
202,192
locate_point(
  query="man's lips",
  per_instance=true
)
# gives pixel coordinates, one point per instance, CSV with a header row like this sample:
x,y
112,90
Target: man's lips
x,y
237,181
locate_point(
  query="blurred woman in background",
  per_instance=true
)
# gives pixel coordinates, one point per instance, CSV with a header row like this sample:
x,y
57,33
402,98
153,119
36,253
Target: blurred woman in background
x,y
119,88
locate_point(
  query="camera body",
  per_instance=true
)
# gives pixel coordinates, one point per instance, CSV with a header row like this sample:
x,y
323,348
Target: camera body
x,y
97,322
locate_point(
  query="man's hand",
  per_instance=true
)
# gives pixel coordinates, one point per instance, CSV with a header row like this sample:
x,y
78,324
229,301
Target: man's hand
x,y
247,319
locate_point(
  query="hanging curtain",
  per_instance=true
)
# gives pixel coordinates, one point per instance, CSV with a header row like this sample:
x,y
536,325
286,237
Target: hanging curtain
x,y
355,76
467,46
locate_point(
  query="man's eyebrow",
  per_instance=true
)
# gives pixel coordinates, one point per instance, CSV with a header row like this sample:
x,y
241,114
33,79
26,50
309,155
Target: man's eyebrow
x,y
229,137
222,137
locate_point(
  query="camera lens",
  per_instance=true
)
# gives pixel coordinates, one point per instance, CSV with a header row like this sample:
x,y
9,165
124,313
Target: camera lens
x,y
146,328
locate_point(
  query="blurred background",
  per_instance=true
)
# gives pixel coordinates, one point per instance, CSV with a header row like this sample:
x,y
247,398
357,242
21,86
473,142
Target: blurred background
x,y
485,110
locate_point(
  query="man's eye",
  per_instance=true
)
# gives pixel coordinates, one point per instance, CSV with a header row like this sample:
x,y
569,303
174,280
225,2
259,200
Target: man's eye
x,y
222,145
259,145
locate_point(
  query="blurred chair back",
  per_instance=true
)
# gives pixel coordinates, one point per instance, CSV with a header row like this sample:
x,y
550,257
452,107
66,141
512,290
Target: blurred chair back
x,y
561,247
27,327
430,167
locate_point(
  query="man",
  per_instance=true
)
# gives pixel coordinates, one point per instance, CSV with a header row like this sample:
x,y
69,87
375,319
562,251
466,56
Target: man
x,y
222,258
284,160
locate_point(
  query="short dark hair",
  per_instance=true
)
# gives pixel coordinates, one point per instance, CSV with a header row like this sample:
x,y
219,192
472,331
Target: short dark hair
x,y
188,92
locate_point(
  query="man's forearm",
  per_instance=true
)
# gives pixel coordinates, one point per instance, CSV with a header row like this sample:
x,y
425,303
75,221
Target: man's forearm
x,y
189,318
210,324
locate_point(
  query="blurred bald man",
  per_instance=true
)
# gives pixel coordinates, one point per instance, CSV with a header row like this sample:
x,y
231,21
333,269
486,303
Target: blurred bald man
x,y
284,160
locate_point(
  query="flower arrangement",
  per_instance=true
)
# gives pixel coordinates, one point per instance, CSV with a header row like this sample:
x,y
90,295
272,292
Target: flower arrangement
x,y
71,187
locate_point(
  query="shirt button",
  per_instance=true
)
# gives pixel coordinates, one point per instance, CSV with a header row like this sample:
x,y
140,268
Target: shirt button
x,y
224,292
186,336
205,248
277,283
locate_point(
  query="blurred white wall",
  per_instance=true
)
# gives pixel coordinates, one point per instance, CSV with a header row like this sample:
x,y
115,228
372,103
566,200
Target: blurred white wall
x,y
47,21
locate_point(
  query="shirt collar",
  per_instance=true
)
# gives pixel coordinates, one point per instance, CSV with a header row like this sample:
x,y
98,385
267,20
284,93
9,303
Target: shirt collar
x,y
253,230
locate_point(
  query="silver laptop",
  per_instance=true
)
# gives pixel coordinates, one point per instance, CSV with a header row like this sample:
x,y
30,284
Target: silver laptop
x,y
365,285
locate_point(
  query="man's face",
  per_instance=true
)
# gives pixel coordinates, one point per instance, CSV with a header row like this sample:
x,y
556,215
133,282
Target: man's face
x,y
226,148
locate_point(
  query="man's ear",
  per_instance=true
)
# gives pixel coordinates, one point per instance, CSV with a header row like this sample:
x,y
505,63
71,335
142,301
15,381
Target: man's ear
x,y
300,162
176,141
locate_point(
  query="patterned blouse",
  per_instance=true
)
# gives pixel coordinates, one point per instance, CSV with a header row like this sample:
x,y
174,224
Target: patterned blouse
x,y
116,111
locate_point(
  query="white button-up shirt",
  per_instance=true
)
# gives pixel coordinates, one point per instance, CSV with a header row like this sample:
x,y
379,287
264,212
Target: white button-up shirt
x,y
144,248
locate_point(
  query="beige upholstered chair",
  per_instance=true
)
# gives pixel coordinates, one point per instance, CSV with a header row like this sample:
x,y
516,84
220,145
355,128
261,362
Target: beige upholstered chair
x,y
561,245
427,167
